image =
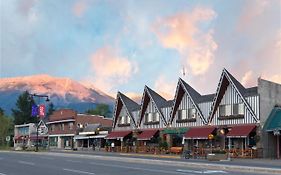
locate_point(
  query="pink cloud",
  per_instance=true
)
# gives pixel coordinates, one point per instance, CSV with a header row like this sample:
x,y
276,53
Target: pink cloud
x,y
165,87
111,69
251,11
79,8
181,32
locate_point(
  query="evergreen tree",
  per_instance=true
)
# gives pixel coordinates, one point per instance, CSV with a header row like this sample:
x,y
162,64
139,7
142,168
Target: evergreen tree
x,y
51,109
22,114
101,109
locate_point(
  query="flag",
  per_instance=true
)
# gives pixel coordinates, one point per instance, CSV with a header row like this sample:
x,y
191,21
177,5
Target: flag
x,y
34,111
42,110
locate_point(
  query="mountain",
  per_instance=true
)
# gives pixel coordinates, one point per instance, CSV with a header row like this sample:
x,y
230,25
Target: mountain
x,y
63,92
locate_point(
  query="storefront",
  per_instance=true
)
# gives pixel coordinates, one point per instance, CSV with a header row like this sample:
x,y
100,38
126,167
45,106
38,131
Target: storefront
x,y
273,129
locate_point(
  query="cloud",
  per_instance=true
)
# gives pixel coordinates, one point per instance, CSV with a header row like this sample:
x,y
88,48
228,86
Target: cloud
x,y
134,96
165,87
182,32
111,69
79,8
248,78
250,12
275,78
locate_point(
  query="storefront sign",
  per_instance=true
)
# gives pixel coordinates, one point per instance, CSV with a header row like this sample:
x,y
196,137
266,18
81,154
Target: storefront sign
x,y
175,131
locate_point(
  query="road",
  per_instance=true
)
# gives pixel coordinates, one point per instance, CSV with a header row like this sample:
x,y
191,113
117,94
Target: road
x,y
13,163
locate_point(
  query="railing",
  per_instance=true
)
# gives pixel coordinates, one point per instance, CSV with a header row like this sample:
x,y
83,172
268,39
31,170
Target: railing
x,y
195,153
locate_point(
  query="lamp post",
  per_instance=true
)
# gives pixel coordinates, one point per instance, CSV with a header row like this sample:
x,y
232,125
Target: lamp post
x,y
37,127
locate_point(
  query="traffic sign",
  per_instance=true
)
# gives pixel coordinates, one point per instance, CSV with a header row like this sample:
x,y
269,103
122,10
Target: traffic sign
x,y
8,138
42,128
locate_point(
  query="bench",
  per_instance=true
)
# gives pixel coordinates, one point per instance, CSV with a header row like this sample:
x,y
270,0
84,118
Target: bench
x,y
176,150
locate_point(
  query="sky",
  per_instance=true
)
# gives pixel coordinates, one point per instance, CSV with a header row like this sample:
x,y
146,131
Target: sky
x,y
124,45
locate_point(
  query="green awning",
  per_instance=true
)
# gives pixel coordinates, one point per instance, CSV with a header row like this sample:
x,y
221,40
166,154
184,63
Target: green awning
x,y
273,122
174,130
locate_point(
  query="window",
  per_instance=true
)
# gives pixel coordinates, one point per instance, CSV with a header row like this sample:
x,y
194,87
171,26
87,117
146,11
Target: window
x,y
70,126
52,127
235,109
227,110
155,116
123,119
150,117
128,119
238,109
191,113
62,126
241,109
182,114
222,110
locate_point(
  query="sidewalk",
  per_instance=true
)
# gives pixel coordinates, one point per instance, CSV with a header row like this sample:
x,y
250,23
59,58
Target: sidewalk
x,y
265,163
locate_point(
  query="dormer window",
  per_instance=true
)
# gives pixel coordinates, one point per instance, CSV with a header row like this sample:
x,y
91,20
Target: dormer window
x,y
152,117
182,114
124,119
191,113
238,109
231,110
187,115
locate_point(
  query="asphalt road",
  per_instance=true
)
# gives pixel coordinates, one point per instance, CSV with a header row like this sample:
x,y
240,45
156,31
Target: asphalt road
x,y
13,163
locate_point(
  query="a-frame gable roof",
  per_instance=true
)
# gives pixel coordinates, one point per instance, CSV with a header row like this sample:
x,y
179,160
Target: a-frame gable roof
x,y
195,97
226,80
129,105
158,100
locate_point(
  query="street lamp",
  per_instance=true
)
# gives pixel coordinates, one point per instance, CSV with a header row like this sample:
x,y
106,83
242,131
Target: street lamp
x,y
37,127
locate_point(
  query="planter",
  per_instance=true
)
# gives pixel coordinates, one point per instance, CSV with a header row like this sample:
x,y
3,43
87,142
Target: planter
x,y
216,157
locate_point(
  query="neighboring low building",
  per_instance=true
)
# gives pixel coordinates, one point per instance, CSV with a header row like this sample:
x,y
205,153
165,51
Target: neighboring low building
x,y
62,129
26,137
69,130
91,131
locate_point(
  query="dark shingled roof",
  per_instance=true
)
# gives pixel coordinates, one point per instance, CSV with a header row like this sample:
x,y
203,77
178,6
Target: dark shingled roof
x,y
159,100
193,93
251,91
206,98
130,104
238,85
244,91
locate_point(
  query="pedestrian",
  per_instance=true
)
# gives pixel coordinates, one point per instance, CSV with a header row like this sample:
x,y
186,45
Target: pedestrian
x,y
94,146
112,146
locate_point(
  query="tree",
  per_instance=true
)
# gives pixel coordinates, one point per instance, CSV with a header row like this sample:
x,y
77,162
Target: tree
x,y
22,114
51,109
101,109
6,127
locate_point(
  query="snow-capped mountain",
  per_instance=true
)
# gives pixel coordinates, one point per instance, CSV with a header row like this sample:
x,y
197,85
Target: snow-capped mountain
x,y
63,92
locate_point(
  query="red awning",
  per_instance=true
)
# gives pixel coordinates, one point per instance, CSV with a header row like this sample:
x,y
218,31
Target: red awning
x,y
39,137
118,134
147,134
199,133
241,131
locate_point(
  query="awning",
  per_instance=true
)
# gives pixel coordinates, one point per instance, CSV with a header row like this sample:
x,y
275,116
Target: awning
x,y
199,133
39,137
80,137
147,134
174,130
118,134
240,131
273,122
98,136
